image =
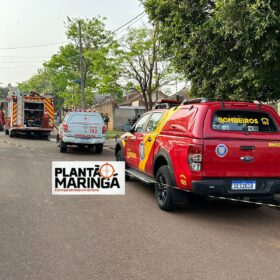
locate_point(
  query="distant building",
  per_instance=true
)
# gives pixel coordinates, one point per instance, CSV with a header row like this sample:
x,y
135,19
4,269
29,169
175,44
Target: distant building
x,y
181,94
130,108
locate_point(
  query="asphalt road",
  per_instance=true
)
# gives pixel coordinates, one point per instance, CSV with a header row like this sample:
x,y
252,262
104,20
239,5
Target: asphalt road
x,y
121,237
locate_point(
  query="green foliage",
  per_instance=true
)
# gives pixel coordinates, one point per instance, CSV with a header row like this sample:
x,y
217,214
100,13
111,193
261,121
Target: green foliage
x,y
228,49
40,82
3,93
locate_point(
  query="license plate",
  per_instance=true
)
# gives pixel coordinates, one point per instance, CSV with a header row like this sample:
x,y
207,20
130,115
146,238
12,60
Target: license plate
x,y
243,185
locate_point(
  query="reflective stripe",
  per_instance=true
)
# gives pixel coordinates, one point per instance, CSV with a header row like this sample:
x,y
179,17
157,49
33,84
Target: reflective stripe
x,y
49,108
14,113
149,144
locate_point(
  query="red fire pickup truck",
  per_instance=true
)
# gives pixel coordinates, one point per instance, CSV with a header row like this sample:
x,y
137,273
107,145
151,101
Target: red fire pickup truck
x,y
221,148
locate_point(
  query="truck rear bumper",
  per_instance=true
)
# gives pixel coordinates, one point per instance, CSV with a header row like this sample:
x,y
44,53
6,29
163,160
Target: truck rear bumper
x,y
82,141
264,187
31,129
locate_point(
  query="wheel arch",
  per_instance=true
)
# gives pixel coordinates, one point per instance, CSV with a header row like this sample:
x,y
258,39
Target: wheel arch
x,y
163,158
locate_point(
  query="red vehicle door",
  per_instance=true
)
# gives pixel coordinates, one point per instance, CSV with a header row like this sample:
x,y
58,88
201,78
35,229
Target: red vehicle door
x,y
134,143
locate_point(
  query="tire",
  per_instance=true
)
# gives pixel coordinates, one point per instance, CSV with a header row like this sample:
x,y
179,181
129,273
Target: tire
x,y
99,148
120,157
12,134
63,147
164,195
7,131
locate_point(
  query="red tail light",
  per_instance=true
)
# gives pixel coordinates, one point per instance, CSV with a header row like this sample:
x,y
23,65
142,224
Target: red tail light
x,y
104,129
65,127
195,157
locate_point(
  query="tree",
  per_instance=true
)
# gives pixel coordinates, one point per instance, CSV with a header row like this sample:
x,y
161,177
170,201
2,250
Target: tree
x,y
144,68
228,49
61,74
39,82
3,93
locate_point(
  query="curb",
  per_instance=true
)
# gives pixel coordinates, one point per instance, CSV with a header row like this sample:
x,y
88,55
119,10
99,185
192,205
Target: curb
x,y
109,147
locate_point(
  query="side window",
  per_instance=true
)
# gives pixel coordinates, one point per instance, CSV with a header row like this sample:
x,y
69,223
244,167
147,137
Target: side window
x,y
141,123
154,121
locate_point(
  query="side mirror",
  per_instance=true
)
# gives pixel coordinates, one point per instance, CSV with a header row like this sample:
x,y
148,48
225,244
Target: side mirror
x,y
127,127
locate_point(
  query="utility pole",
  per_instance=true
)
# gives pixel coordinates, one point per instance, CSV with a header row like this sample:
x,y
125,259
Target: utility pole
x,y
82,67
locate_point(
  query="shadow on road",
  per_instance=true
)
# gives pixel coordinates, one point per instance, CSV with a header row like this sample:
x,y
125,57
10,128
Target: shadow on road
x,y
31,137
212,209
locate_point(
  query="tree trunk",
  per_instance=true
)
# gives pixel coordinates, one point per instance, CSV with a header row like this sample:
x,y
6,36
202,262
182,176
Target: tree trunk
x,y
145,101
150,100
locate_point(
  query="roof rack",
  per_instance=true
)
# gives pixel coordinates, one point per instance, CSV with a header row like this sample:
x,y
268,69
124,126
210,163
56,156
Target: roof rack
x,y
204,99
195,100
166,104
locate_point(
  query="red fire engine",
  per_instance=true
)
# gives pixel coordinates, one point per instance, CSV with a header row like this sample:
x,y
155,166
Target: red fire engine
x,y
28,114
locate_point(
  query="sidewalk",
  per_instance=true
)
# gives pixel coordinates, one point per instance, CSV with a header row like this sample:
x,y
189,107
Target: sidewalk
x,y
110,143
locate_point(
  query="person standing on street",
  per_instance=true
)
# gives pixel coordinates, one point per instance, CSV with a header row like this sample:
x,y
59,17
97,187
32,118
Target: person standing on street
x,y
106,120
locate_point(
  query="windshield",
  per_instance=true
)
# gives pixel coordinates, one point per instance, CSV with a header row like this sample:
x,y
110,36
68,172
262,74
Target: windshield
x,y
84,118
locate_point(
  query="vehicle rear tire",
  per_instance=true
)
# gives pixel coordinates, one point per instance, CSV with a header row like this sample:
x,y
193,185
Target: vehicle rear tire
x,y
164,194
7,131
63,147
99,148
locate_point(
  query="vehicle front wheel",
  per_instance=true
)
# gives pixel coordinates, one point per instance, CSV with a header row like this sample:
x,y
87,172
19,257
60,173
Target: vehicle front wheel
x,y
120,157
7,131
162,192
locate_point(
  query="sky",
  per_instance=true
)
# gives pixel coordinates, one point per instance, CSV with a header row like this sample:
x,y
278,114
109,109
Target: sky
x,y
25,23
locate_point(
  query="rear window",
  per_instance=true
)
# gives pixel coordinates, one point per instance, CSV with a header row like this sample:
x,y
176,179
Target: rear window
x,y
84,119
236,120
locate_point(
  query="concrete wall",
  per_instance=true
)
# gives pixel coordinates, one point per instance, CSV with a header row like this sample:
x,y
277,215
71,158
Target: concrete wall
x,y
118,115
107,108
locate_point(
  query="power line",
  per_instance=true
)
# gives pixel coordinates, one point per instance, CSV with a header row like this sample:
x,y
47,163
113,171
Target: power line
x,y
34,46
19,67
133,20
20,56
140,18
21,61
127,23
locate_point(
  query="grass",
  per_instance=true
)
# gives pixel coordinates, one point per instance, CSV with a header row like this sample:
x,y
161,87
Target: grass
x,y
113,134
